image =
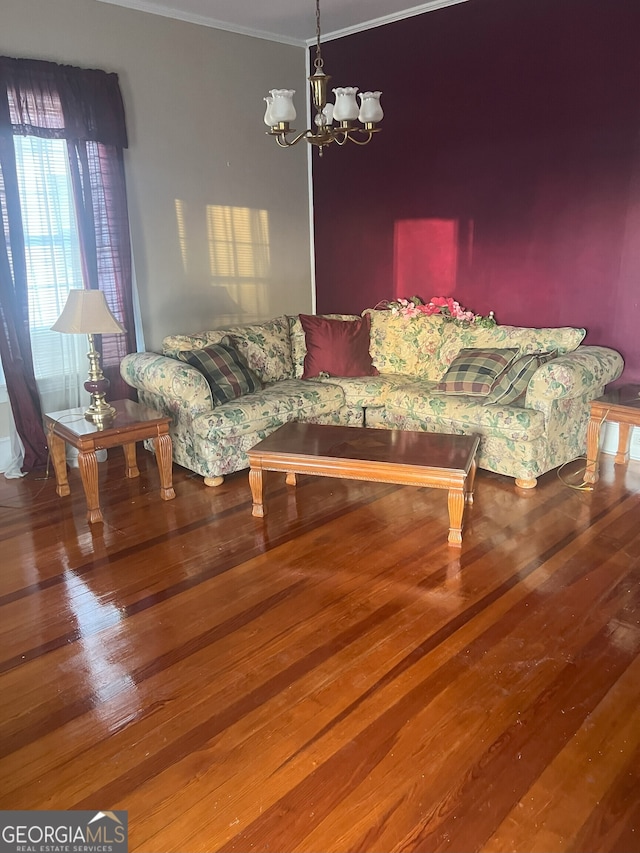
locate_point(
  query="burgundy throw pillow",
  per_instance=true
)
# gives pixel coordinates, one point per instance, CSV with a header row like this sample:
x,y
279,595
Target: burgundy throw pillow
x,y
336,347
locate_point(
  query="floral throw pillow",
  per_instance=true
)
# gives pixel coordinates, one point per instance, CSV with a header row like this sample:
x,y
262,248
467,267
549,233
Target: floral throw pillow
x,y
226,371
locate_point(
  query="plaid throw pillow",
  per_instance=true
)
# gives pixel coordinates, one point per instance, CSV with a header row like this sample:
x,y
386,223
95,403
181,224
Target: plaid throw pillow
x,y
474,372
226,371
511,388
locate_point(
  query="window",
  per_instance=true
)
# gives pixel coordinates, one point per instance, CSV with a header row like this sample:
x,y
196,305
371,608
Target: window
x,y
65,222
53,264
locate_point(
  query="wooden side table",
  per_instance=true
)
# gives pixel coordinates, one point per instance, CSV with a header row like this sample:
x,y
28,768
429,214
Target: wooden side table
x,y
131,423
622,406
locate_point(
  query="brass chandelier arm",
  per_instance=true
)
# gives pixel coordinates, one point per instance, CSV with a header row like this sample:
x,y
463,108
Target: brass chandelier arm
x,y
338,135
347,136
311,137
283,142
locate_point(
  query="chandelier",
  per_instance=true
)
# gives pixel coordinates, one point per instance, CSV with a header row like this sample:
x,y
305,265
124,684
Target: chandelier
x,y
340,122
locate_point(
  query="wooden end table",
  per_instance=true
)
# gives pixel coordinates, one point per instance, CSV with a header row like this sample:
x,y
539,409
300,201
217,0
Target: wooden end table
x,y
131,423
436,460
619,405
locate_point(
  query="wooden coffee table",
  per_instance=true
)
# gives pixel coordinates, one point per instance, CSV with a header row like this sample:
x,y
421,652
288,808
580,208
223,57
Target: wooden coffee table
x,y
622,406
407,458
131,423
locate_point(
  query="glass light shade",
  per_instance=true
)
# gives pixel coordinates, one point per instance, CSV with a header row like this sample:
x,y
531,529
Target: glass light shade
x,y
346,107
86,313
282,108
268,120
370,109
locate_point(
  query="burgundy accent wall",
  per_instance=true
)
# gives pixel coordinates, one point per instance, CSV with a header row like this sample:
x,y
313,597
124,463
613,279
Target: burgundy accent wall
x,y
507,173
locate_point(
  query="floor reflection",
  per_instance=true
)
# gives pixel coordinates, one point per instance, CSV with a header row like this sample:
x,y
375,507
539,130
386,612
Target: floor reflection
x,y
107,677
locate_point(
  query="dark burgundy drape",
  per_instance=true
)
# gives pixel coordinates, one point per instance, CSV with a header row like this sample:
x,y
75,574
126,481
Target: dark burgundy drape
x,y
15,340
83,106
97,174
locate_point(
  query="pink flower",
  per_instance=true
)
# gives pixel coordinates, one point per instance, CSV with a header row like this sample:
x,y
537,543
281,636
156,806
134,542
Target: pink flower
x,y
439,301
446,306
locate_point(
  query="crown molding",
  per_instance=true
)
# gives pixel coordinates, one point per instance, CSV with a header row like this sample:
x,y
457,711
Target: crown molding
x,y
205,21
429,6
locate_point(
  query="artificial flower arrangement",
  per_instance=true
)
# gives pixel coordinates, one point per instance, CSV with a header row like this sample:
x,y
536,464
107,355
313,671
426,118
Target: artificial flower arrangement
x,y
445,306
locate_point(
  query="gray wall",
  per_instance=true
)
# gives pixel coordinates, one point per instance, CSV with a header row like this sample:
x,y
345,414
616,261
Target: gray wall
x,y
198,159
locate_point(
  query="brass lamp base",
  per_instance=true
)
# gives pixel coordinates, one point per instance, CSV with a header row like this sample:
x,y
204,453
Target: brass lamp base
x,y
99,412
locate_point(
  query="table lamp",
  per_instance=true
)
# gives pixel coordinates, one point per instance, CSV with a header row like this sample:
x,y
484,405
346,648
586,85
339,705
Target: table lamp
x,y
86,313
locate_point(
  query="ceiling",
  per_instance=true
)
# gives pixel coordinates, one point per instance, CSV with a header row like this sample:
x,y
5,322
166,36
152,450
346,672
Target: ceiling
x,y
287,21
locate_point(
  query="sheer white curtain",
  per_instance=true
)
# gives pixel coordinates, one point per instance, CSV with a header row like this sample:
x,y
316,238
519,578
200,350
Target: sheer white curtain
x,y
53,260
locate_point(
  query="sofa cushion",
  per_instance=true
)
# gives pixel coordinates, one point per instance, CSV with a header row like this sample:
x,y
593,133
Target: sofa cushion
x,y
336,347
267,348
274,405
416,406
474,372
407,345
225,370
425,345
366,391
457,337
511,387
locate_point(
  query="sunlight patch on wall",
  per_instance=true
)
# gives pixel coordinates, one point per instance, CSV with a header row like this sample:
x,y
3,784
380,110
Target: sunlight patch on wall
x,y
182,234
240,259
226,259
427,255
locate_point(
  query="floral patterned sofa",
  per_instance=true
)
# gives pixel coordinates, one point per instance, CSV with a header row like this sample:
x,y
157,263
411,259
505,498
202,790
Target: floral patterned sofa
x,y
410,355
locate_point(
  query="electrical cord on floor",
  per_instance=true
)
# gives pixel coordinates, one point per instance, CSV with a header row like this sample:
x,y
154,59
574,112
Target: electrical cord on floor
x,y
579,487
583,486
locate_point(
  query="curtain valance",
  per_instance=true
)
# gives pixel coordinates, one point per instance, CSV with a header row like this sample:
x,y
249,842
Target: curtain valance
x,y
61,102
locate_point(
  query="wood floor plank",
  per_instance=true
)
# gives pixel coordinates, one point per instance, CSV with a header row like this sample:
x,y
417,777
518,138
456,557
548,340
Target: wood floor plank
x,y
578,779
332,677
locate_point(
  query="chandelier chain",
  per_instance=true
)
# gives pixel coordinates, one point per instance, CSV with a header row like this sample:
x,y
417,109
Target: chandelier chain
x,y
318,62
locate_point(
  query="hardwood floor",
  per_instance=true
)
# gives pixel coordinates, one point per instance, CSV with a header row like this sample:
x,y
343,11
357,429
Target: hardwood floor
x,y
332,677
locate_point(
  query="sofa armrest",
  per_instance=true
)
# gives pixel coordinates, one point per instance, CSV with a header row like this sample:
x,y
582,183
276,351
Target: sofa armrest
x,y
584,371
177,384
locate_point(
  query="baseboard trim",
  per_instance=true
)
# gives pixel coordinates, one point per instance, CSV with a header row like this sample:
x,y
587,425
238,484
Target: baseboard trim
x,y
609,440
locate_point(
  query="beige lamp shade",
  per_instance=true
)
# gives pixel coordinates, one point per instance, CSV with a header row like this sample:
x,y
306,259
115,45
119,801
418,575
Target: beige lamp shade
x,y
86,313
